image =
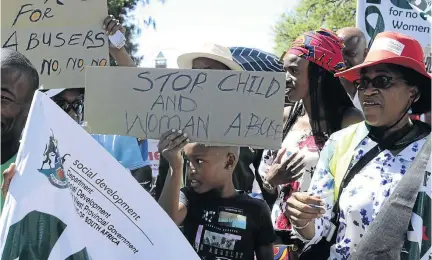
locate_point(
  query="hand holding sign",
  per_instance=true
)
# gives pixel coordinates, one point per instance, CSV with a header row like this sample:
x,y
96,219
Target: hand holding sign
x,y
170,146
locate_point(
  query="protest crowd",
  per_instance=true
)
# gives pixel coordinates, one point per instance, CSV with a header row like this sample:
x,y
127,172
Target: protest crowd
x,y
350,180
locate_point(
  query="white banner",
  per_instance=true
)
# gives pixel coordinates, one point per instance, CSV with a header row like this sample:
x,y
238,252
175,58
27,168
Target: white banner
x,y
410,17
71,198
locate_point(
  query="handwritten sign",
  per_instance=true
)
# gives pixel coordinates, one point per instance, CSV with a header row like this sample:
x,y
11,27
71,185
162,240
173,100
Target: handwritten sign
x,y
213,107
59,37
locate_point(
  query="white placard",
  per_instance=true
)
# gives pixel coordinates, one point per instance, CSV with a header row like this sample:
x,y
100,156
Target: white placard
x,y
70,197
410,17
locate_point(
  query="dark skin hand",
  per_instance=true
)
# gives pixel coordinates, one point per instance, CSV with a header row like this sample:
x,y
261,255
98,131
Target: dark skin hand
x,y
282,172
301,214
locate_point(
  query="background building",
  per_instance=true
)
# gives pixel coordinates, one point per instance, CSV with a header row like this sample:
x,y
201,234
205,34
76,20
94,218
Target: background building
x,y
160,61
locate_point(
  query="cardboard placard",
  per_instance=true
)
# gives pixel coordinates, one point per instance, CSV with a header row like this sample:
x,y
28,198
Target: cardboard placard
x,y
59,37
213,107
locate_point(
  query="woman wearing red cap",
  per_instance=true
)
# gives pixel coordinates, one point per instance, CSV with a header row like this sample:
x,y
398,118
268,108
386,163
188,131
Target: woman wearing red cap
x,y
321,108
360,166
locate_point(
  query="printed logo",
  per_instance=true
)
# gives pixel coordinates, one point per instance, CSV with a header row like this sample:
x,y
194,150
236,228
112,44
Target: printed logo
x,y
52,165
388,44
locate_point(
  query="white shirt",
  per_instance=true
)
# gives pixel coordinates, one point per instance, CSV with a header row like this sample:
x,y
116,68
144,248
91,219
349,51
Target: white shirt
x,y
364,196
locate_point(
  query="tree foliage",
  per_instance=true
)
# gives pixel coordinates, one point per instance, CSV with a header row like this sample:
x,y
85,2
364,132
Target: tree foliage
x,y
121,10
311,15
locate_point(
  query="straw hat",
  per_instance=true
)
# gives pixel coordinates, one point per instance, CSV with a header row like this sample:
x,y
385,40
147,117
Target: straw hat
x,y
210,51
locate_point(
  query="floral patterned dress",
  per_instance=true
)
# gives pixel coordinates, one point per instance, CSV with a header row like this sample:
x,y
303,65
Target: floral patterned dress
x,y
297,140
364,196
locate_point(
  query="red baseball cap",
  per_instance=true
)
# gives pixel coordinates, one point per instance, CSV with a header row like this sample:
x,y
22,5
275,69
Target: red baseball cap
x,y
395,48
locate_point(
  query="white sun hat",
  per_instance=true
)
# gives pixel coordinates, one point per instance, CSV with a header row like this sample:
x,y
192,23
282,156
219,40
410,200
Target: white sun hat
x,y
210,51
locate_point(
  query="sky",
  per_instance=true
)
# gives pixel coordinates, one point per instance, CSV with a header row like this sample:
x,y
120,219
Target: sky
x,y
185,25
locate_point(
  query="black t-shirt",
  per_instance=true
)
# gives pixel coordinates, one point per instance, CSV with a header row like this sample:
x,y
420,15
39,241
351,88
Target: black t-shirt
x,y
226,228
243,176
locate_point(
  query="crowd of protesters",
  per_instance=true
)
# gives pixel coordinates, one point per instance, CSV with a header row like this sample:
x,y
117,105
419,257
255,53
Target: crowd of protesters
x,y
351,131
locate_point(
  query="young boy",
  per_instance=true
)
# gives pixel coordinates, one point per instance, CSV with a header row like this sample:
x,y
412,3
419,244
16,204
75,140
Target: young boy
x,y
219,222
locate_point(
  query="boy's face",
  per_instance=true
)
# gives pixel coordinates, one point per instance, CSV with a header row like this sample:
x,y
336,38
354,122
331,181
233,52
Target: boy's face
x,y
209,167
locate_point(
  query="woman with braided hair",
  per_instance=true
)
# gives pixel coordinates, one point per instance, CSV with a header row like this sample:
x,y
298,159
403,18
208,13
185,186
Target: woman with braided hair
x,y
321,107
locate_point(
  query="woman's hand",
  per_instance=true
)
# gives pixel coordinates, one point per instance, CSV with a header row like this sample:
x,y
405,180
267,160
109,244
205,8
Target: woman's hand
x,y
303,208
7,178
288,170
170,146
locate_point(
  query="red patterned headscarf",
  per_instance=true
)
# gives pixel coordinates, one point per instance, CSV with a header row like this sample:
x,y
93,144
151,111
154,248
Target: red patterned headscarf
x,y
322,47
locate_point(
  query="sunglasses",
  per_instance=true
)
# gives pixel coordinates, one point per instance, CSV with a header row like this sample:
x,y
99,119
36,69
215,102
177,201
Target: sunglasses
x,y
380,82
77,106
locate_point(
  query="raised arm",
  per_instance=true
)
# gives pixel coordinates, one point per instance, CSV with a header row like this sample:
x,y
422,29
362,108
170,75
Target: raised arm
x,y
122,57
170,146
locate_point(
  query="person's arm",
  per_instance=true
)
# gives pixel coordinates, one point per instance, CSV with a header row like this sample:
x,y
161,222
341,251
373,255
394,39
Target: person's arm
x,y
265,236
162,175
322,187
170,197
351,116
121,56
171,143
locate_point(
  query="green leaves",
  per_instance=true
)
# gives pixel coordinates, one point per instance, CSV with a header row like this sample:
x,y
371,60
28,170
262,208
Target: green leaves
x,y
120,8
310,15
